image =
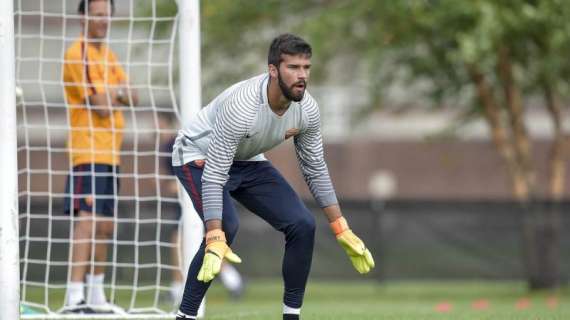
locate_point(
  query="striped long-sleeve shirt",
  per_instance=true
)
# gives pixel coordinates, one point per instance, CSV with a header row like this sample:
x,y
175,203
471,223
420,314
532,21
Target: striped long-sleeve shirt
x,y
240,125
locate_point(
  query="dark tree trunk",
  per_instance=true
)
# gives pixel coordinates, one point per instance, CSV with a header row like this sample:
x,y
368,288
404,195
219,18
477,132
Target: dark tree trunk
x,y
540,234
542,244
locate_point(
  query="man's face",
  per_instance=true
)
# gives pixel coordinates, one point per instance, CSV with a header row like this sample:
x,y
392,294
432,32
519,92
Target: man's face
x,y
293,75
97,19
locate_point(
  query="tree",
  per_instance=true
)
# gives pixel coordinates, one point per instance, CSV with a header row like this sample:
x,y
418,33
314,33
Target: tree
x,y
508,51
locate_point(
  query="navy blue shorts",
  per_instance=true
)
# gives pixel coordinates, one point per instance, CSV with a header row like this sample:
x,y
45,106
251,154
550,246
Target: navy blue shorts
x,y
95,187
257,185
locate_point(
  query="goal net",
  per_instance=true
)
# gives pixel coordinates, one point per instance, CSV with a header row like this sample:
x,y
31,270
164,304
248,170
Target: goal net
x,y
139,263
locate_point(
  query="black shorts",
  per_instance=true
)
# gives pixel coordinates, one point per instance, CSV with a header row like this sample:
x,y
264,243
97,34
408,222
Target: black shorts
x,y
95,187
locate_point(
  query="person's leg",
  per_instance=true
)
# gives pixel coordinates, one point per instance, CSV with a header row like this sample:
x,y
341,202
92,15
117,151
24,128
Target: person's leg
x,y
80,257
177,278
177,275
95,280
103,232
107,188
190,176
267,194
82,239
78,188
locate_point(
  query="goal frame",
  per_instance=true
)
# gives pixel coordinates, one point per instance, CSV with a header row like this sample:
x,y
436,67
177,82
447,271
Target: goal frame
x,y
9,242
190,104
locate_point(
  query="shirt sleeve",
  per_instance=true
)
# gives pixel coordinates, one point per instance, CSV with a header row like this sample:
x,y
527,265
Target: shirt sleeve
x,y
118,69
231,125
95,73
310,155
76,87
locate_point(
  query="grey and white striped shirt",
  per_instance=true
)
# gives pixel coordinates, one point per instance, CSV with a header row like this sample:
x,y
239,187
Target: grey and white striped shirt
x,y
240,125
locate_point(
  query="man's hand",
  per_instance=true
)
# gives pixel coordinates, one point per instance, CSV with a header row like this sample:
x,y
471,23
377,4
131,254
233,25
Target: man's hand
x,y
126,96
360,257
216,250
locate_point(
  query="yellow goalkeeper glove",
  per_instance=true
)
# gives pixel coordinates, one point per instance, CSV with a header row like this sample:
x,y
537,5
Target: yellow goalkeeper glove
x,y
360,257
216,250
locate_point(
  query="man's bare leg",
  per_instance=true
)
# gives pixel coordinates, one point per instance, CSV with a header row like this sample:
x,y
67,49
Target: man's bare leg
x,y
80,257
95,280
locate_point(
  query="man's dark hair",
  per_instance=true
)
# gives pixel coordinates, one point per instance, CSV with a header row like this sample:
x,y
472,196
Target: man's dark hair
x,y
287,43
83,5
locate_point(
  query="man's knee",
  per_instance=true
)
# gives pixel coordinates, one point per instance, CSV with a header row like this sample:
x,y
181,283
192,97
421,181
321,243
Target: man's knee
x,y
304,225
105,229
84,226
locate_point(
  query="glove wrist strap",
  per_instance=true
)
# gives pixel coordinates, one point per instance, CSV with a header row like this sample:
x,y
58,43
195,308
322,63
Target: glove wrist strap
x,y
339,226
215,236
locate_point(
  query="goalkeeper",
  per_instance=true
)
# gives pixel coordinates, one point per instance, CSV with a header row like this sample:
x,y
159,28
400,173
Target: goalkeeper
x,y
219,156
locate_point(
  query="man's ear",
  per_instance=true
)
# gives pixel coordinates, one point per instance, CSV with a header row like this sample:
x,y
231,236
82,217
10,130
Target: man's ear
x,y
273,72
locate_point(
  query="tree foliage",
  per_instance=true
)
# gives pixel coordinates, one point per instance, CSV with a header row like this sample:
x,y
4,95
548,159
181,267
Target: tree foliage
x,y
484,56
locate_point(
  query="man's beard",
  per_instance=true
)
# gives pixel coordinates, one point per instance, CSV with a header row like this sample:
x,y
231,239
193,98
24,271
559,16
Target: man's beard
x,y
288,91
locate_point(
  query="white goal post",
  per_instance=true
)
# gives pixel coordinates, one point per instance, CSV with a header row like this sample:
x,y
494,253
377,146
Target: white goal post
x,y
35,235
9,248
191,103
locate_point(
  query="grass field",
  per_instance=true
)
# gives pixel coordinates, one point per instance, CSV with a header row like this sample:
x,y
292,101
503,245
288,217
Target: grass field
x,y
399,300
395,300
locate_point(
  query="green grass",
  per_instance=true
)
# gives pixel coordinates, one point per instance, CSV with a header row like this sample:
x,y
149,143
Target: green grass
x,y
397,300
394,300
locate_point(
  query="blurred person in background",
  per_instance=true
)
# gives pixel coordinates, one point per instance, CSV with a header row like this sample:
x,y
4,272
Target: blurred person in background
x,y
229,275
219,156
96,87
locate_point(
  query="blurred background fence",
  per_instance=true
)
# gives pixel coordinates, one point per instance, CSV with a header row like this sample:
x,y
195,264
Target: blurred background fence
x,y
411,239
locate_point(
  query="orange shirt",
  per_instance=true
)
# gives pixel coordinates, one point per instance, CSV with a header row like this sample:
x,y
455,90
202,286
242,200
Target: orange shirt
x,y
90,70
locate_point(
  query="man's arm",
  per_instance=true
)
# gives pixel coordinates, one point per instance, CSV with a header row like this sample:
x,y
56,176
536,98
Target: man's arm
x,y
310,155
126,95
101,103
332,212
232,123
309,149
213,224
